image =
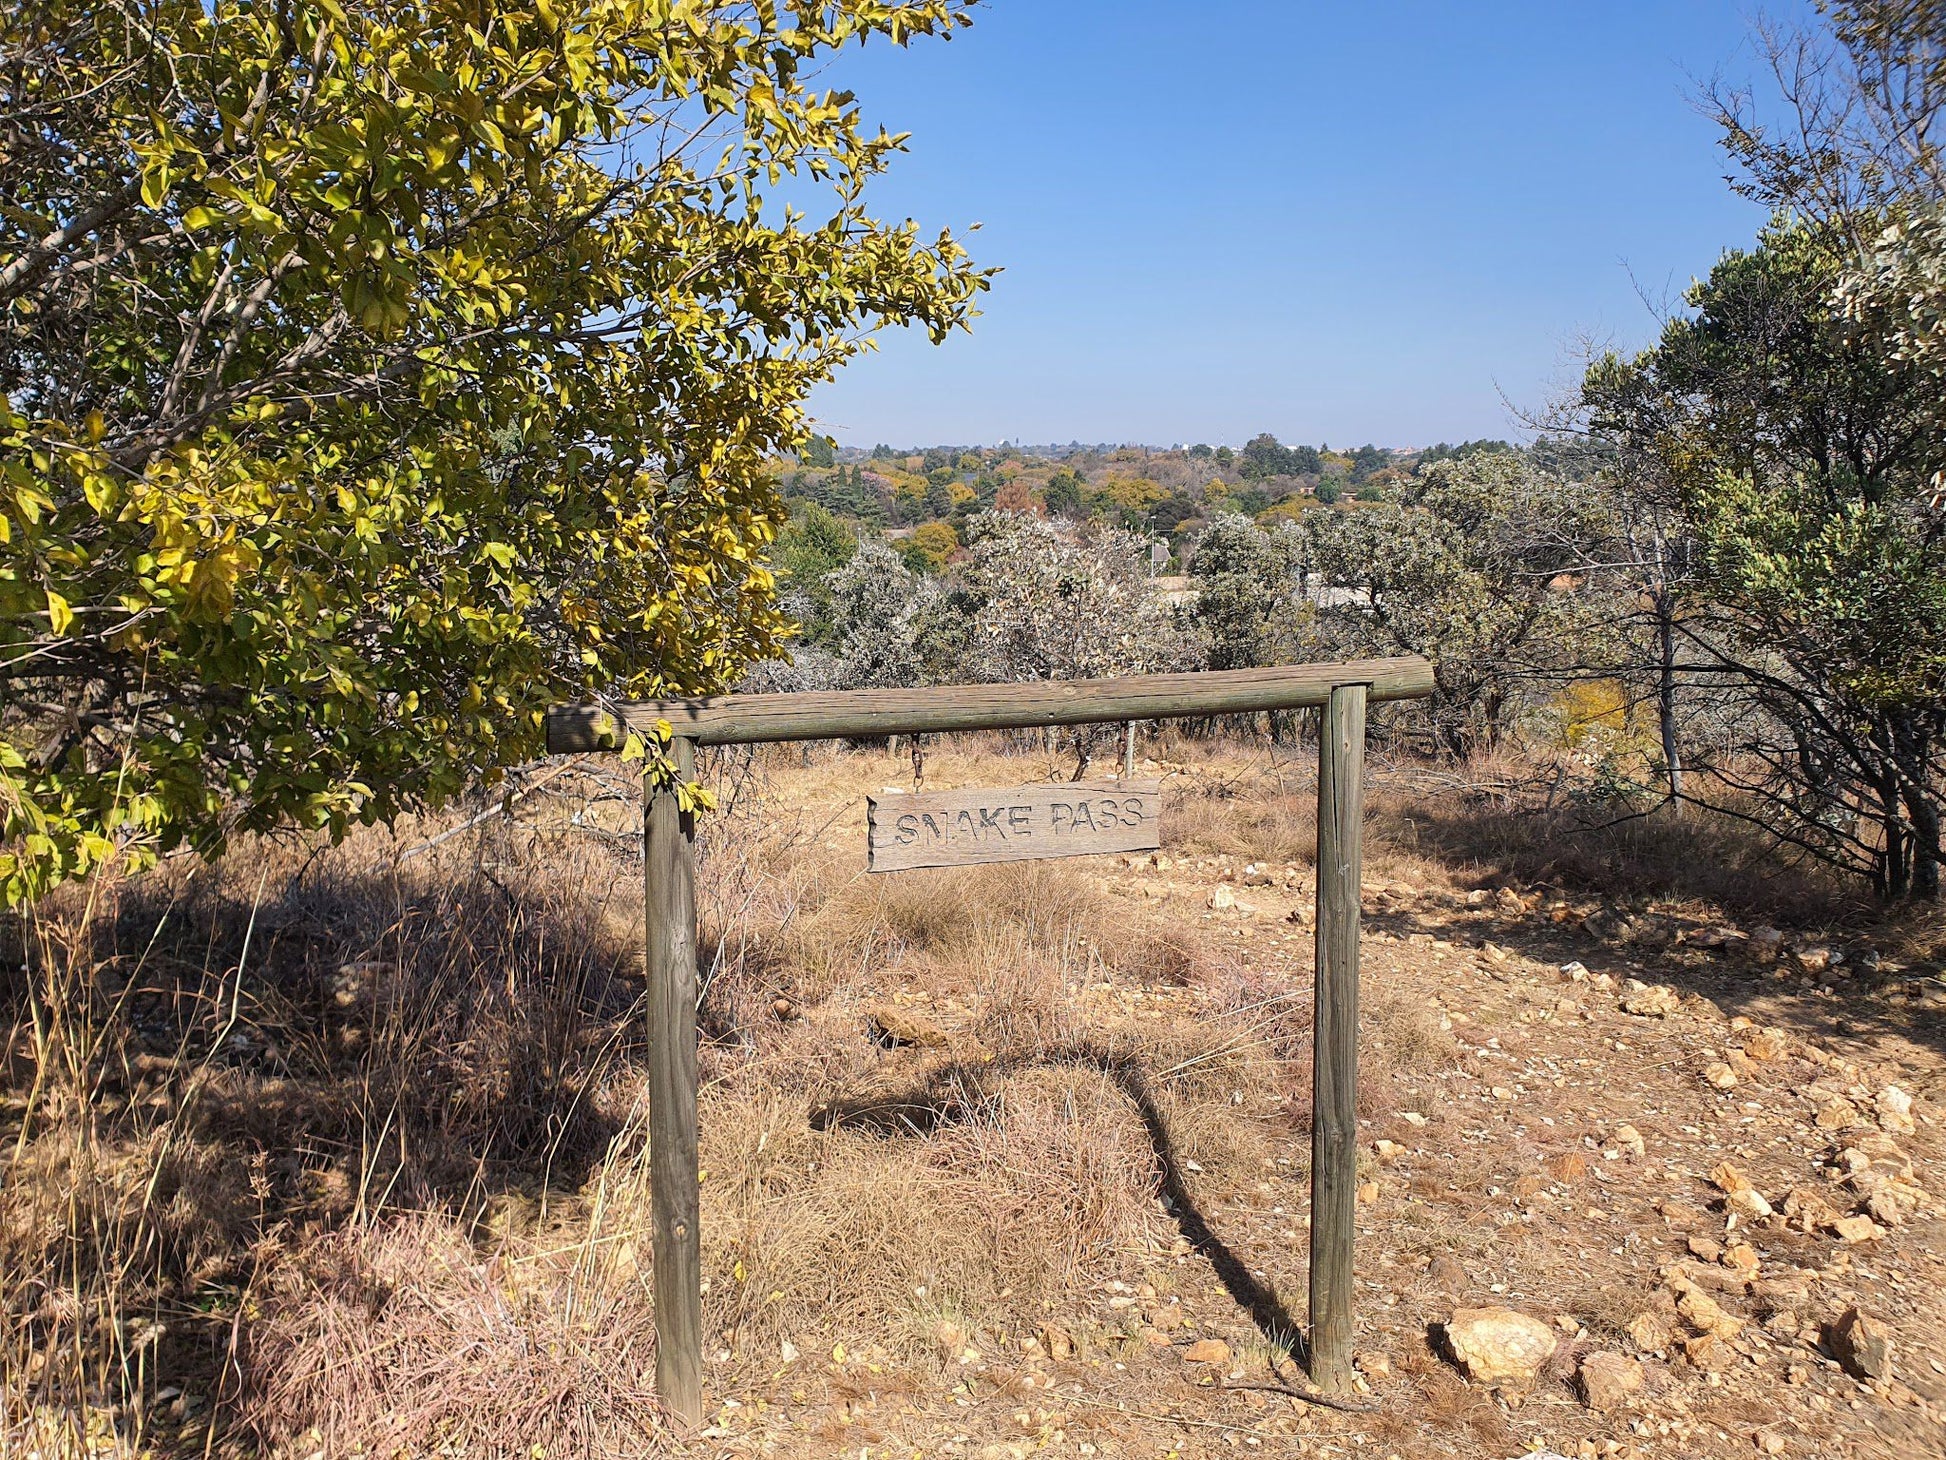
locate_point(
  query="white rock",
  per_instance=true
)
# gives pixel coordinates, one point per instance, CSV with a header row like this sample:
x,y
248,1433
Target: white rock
x,y
1650,1000
1496,1345
1895,1110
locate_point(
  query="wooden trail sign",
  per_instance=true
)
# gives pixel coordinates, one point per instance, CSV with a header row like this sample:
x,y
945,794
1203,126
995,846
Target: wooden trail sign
x,y
1011,824
1340,692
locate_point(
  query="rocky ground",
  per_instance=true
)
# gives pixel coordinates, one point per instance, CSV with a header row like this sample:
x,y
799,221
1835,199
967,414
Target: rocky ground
x,y
1658,1185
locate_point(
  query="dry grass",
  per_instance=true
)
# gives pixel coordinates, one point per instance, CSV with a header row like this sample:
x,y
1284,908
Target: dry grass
x,y
329,1150
323,1150
217,1074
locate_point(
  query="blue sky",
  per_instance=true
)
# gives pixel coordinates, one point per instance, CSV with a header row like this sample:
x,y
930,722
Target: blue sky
x,y
1337,222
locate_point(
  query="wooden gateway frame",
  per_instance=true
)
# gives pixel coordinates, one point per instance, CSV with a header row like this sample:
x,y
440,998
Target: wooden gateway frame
x,y
1340,691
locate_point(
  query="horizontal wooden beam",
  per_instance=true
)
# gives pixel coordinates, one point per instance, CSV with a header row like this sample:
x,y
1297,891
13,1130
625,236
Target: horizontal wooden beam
x,y
869,713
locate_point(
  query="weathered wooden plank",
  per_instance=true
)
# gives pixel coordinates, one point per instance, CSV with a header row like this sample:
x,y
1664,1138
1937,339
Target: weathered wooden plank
x,y
836,714
1011,823
674,1204
1334,1044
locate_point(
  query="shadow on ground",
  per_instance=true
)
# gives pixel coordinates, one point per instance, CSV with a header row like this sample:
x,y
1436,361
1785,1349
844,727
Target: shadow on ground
x,y
950,1095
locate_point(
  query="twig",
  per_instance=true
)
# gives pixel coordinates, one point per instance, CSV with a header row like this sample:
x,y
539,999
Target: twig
x,y
1309,1396
497,809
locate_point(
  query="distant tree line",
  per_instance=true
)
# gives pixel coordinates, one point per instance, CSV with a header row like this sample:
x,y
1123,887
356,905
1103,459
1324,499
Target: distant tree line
x,y
1715,582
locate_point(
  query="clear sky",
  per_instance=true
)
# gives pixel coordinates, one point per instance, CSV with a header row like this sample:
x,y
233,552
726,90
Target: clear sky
x,y
1340,222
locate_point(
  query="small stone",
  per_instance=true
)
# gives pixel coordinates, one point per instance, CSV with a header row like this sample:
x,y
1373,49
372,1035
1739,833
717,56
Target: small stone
x,y
1496,1345
1860,1346
1769,1442
1729,1180
1707,1248
1876,1148
1651,1332
1222,899
1650,1000
1568,1166
1815,959
1750,1204
1630,1138
1742,1259
1608,1379
1388,1152
1705,1314
1838,1114
1710,1279
893,1027
1478,897
1207,1351
949,1338
1885,1209
1446,1274
1373,1366
1807,1211
1857,1229
1058,1342
1710,1352
1895,1111
1367,1193
1722,935
1767,1044
1720,1075
1765,943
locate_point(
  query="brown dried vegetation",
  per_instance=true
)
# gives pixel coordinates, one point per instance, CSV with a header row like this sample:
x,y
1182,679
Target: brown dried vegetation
x,y
331,1149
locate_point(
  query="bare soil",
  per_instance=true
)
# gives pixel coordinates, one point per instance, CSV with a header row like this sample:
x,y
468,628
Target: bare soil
x,y
1502,1073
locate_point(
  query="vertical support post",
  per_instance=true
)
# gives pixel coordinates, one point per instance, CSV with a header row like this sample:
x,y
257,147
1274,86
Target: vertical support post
x,y
669,869
1334,1045
1128,751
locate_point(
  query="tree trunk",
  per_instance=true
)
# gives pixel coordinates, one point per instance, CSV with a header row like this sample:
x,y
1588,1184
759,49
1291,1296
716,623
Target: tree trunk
x,y
1923,814
1912,748
1665,628
1892,881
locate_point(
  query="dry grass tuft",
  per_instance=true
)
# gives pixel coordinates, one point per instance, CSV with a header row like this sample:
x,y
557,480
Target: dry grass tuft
x,y
212,1070
1256,821
402,1337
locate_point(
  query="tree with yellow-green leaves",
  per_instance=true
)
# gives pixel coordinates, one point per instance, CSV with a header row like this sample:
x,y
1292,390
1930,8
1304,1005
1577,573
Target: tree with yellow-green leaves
x,y
372,375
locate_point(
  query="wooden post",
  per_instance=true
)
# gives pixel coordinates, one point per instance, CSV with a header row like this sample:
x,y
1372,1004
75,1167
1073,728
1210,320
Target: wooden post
x,y
669,864
1128,751
1334,1045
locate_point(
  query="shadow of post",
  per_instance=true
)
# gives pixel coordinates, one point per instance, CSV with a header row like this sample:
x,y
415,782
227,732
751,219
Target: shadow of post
x,y
944,1099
